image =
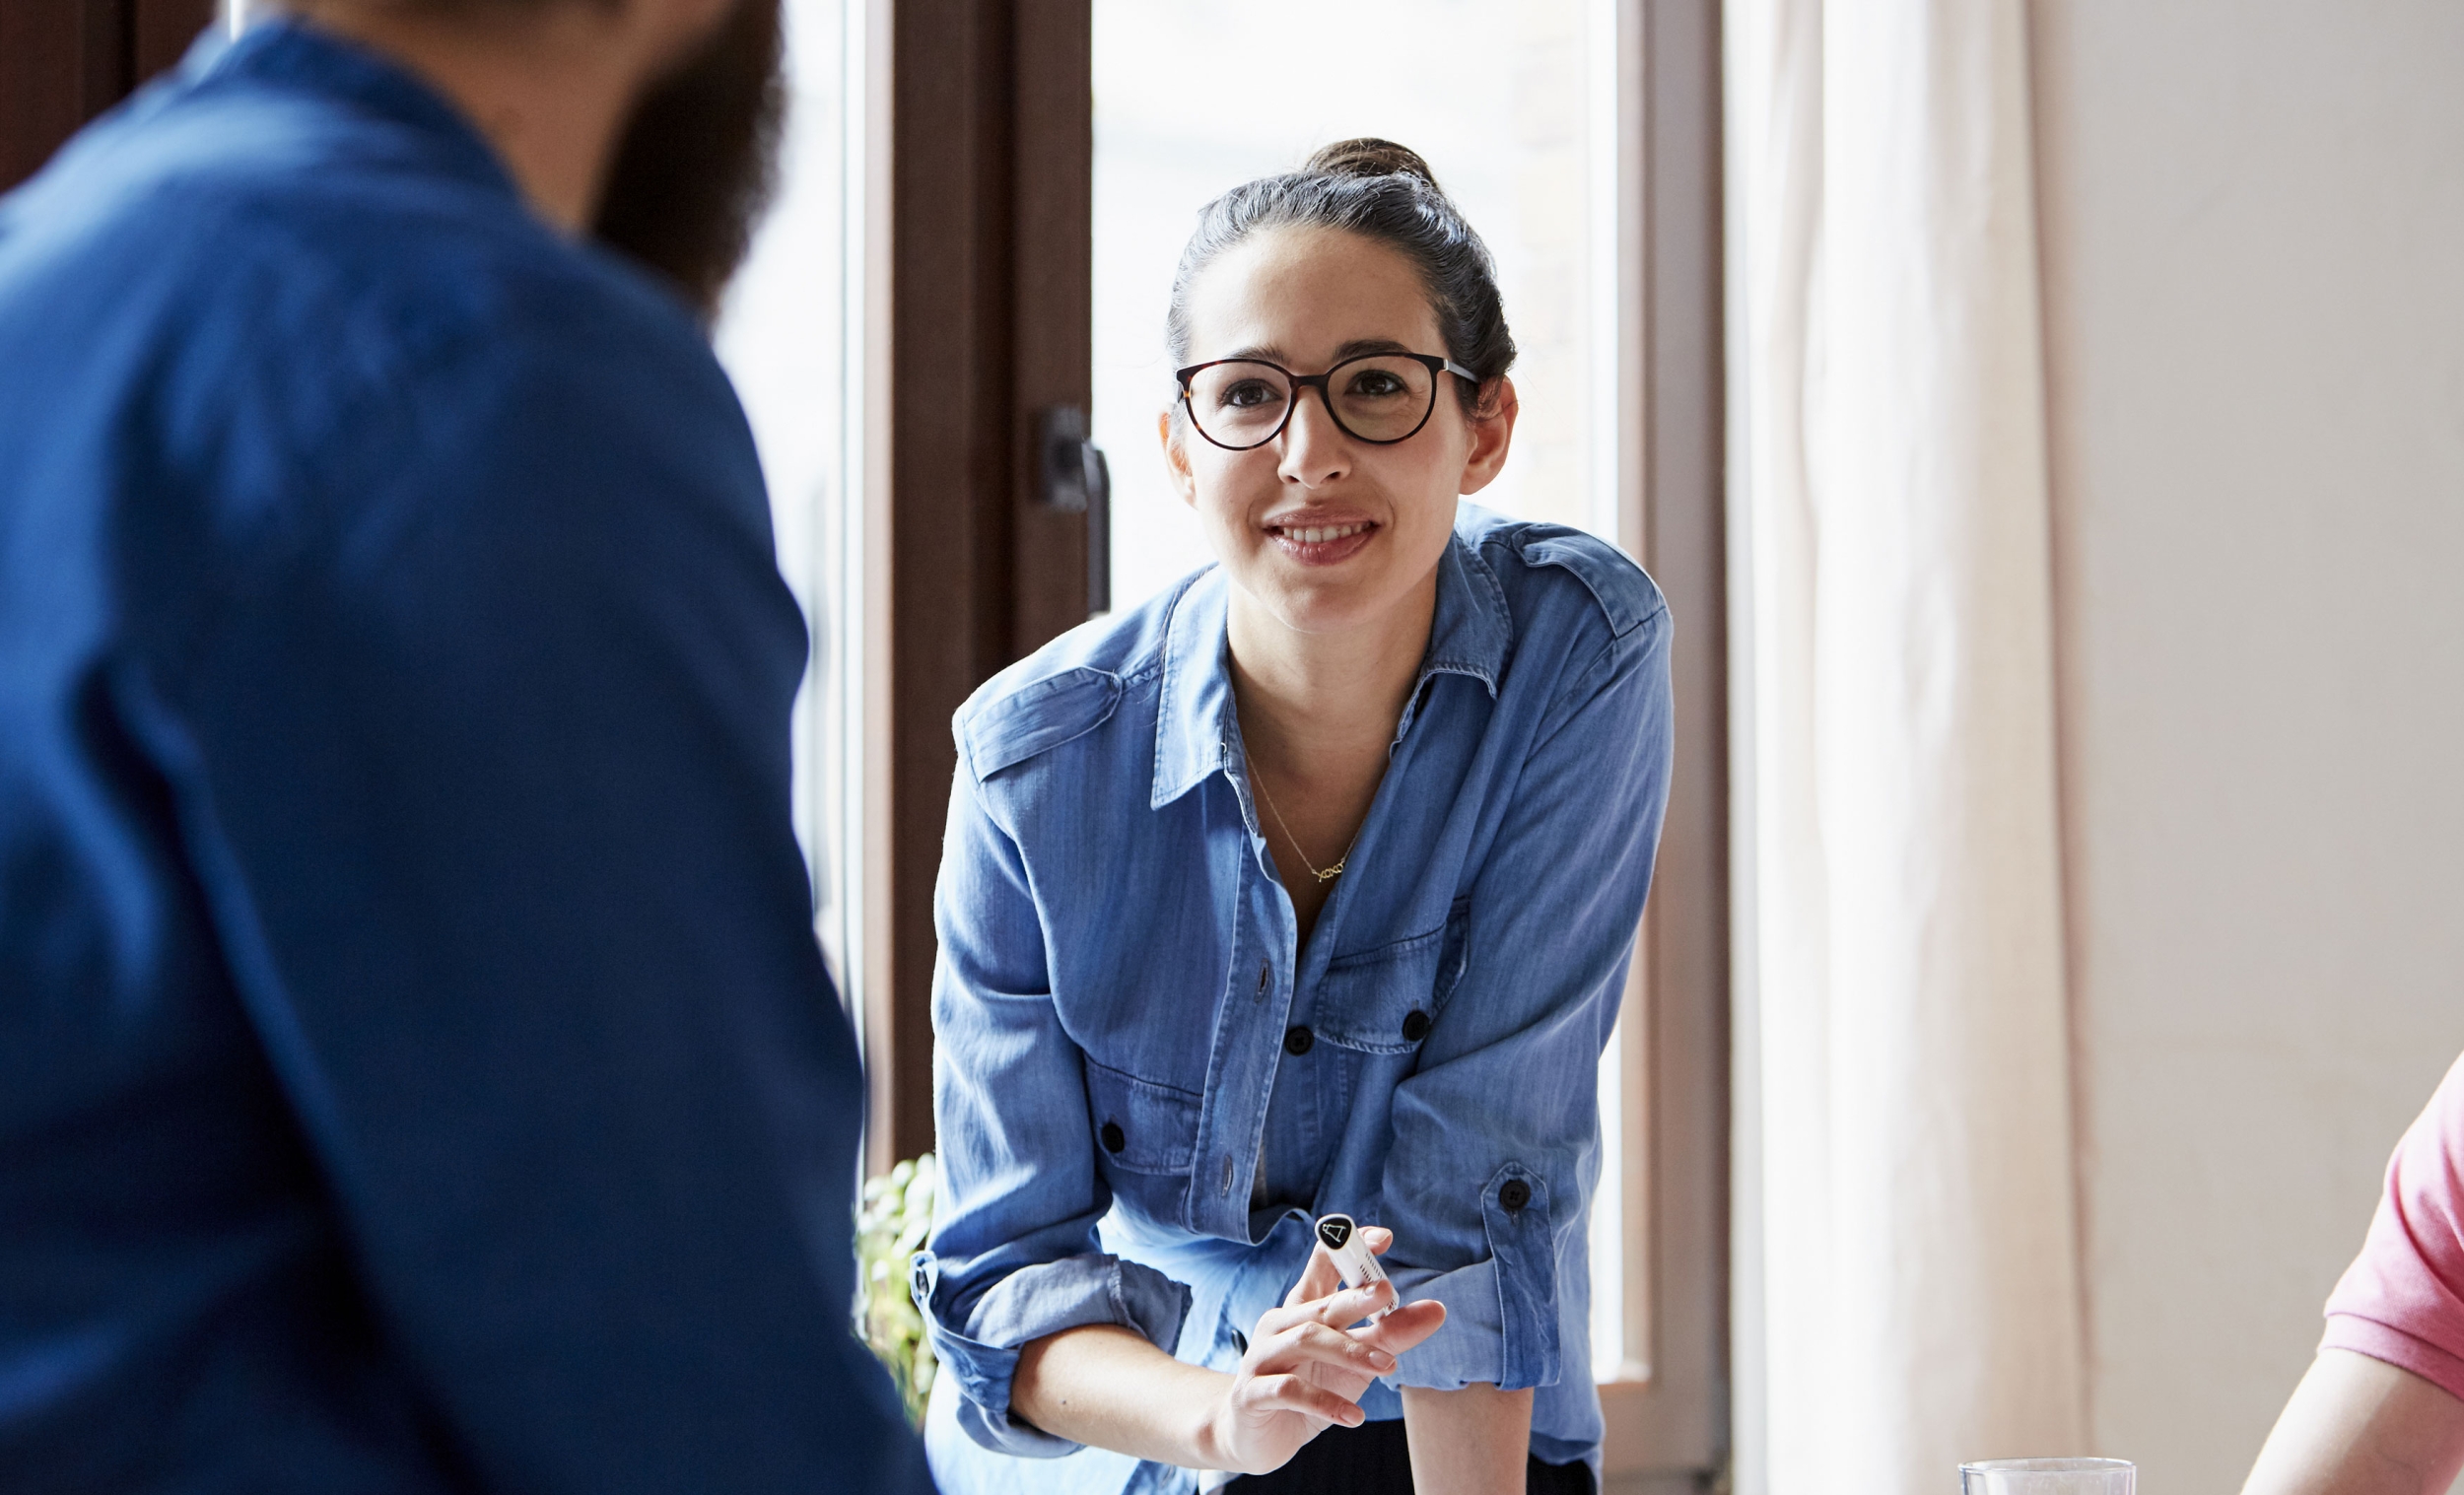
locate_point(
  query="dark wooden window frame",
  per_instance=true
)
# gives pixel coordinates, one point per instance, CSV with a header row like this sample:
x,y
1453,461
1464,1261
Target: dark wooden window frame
x,y
1668,1429
982,276
985,278
986,271
63,62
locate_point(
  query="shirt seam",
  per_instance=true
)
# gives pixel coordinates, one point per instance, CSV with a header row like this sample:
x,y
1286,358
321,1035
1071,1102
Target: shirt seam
x,y
1606,662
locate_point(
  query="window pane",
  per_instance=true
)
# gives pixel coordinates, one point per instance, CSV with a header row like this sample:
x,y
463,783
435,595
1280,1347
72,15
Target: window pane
x,y
1514,105
788,337
1194,97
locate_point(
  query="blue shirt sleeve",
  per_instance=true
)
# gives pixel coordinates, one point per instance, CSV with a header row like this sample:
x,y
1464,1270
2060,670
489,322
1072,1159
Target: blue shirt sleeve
x,y
1015,1253
1495,1132
477,734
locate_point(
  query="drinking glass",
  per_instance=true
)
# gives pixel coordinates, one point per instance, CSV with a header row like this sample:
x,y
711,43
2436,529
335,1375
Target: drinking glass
x,y
2048,1476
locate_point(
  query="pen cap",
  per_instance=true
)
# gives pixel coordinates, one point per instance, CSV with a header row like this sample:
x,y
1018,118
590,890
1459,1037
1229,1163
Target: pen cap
x,y
1352,1256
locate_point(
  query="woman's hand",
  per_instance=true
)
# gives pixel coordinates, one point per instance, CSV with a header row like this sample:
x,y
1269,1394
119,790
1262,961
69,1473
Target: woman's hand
x,y
1309,1361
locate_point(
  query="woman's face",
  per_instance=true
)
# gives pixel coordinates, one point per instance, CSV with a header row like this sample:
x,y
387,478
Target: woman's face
x,y
1329,533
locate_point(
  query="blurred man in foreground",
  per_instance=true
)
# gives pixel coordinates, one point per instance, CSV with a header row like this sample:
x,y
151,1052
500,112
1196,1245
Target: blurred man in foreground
x,y
416,1069
2382,1411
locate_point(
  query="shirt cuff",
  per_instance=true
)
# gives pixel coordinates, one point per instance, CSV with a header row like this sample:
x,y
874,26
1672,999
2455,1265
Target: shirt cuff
x,y
1501,1313
2380,1341
1029,1303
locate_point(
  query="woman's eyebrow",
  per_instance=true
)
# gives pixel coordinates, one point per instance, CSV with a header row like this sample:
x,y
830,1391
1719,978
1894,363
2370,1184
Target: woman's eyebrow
x,y
1360,345
1270,353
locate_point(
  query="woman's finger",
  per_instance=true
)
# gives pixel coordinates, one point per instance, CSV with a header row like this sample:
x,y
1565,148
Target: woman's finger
x,y
1320,1277
1337,1310
1303,1342
1352,1305
1340,1308
1404,1328
1317,1279
1292,1393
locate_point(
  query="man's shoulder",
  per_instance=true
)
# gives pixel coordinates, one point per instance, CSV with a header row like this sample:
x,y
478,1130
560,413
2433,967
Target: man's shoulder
x,y
253,338
260,237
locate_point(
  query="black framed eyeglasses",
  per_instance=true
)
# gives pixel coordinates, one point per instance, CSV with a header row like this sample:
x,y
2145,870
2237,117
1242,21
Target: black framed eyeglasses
x,y
1381,398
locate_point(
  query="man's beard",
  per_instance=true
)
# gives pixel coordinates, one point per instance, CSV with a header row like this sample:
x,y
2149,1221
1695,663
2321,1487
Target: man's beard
x,y
698,158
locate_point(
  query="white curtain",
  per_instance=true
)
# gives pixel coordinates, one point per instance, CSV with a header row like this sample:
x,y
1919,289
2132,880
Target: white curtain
x,y
1913,1166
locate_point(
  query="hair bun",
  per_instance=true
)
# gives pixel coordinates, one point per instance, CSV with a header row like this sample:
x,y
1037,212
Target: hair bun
x,y
1369,156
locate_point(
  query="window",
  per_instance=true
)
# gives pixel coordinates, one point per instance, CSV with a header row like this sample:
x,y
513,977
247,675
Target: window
x,y
1515,109
791,338
1532,116
1510,107
926,299
63,62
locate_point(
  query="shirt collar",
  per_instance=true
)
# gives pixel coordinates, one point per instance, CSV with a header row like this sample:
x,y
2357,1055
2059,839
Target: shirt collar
x,y
296,58
1472,631
1469,634
1192,711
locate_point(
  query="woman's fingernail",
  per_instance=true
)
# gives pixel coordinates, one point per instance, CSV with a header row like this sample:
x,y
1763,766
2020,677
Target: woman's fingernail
x,y
1382,1360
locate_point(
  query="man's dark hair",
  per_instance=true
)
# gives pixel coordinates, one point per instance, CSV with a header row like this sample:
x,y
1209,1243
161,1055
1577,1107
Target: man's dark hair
x,y
698,158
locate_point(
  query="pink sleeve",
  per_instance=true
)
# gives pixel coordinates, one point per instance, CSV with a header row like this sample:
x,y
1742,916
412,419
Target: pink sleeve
x,y
2402,1300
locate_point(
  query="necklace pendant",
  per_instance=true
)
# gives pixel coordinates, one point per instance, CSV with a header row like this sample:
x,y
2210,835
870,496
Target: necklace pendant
x,y
1332,872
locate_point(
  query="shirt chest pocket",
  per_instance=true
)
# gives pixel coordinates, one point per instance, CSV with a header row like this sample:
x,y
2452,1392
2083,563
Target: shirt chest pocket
x,y
1384,1000
1140,1127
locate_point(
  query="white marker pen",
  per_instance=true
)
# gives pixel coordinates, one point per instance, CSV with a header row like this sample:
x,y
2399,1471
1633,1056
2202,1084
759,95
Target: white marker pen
x,y
1352,1256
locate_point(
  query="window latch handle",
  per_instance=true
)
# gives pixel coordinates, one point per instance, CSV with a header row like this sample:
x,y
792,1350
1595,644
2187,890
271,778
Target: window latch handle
x,y
1078,480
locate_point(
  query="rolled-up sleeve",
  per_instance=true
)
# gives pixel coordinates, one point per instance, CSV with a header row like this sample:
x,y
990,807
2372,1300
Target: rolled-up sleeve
x,y
1496,1133
2402,1300
1013,1255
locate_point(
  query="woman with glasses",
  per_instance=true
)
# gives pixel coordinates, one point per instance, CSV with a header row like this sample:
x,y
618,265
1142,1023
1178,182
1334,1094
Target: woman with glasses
x,y
1306,888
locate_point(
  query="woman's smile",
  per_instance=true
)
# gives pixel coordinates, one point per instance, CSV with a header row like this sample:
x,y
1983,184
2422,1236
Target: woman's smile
x,y
1321,539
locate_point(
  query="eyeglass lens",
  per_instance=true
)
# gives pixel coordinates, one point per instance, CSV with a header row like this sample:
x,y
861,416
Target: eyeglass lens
x,y
1379,397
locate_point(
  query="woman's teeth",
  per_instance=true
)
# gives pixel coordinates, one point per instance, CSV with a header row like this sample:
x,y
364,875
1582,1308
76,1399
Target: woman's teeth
x,y
1322,535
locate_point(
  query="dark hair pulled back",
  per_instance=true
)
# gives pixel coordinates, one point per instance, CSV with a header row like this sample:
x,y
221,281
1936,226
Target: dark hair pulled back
x,y
1381,191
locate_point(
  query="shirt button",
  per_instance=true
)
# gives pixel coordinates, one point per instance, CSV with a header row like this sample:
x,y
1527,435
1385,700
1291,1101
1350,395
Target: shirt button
x,y
1114,1141
1514,1195
1297,1039
1415,1026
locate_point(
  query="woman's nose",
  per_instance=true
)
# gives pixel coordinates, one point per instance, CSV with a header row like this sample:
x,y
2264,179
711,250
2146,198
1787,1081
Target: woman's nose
x,y
1315,449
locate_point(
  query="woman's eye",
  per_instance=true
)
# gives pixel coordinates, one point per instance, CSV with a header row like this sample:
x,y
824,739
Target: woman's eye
x,y
1248,395
1376,383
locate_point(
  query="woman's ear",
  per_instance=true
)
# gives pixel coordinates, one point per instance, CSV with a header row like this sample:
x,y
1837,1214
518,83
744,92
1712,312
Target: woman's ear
x,y
1492,432
1176,457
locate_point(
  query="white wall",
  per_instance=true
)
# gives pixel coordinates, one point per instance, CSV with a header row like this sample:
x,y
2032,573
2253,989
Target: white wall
x,y
2253,227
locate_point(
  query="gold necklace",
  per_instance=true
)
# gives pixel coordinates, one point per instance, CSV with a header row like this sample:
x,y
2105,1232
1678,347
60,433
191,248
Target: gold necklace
x,y
1326,876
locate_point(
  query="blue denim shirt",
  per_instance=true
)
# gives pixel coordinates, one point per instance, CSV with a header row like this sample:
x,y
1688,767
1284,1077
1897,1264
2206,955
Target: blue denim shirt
x,y
417,1072
1127,1031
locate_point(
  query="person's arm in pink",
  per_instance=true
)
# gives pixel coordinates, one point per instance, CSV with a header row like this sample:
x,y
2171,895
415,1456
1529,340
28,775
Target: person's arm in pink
x,y
2382,1411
